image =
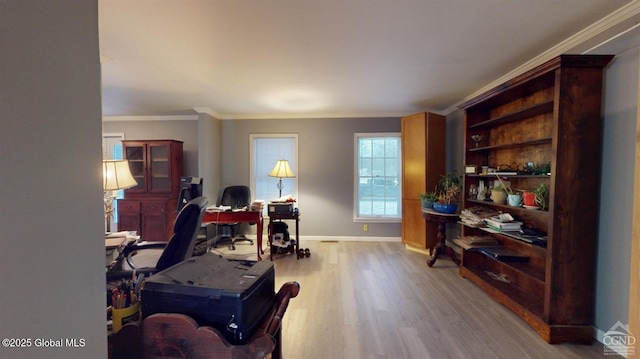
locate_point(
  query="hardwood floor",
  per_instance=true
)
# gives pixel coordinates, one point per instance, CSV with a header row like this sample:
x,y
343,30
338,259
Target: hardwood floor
x,y
379,300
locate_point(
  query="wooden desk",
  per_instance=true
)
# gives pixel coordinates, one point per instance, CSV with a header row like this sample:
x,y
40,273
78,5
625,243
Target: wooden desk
x,y
238,216
441,219
280,216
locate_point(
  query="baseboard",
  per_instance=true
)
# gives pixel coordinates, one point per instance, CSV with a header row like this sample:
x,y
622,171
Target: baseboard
x,y
350,239
333,238
416,249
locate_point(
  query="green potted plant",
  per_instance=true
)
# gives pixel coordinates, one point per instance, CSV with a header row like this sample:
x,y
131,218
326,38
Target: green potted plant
x,y
427,199
448,193
540,196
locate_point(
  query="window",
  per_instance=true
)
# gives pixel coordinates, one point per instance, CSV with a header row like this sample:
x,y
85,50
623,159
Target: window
x,y
112,150
265,151
377,177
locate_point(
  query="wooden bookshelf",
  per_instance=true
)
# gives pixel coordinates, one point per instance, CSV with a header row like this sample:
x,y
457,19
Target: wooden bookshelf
x,y
549,115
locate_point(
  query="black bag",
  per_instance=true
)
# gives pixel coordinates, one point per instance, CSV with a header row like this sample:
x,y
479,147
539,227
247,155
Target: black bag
x,y
281,227
280,238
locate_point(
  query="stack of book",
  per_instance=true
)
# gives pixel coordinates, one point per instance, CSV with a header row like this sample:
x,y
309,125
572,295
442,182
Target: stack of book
x,y
472,242
500,224
474,216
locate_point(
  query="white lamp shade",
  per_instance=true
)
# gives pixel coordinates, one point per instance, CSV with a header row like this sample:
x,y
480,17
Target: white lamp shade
x,y
116,175
282,170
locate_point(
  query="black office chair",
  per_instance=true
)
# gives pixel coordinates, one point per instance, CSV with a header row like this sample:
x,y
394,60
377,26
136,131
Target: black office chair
x,y
178,248
235,197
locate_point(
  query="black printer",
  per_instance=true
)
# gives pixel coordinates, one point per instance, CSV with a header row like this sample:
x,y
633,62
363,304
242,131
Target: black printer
x,y
232,296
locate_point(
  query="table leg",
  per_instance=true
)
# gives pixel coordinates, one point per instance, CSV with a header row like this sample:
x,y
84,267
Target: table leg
x,y
297,246
269,234
440,246
259,239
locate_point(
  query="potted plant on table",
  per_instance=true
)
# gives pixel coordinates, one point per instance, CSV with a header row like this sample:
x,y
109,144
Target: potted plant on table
x,y
427,199
448,193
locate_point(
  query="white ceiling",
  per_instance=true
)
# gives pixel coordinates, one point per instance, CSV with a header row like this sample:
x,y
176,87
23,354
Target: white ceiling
x,y
332,58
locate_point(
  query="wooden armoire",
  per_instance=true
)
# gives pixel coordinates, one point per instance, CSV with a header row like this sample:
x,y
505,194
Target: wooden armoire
x,y
150,207
423,162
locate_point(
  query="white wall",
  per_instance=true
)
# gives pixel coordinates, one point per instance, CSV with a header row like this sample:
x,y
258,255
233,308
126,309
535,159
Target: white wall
x,y
52,283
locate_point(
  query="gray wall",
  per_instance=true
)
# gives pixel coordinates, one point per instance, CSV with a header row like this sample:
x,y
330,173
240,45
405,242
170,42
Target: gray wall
x,y
211,149
616,196
325,160
185,131
52,283
325,169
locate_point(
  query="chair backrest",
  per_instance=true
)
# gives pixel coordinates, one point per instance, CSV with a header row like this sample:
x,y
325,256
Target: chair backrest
x,y
235,197
185,232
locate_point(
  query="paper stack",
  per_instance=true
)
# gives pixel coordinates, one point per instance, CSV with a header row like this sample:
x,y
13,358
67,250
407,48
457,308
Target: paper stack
x,y
474,216
503,222
471,242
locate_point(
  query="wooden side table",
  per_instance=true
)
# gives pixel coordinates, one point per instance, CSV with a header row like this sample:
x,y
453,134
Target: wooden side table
x,y
282,216
441,219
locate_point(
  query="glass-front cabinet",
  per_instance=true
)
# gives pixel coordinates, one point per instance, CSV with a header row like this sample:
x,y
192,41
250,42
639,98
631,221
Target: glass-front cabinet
x,y
149,208
152,164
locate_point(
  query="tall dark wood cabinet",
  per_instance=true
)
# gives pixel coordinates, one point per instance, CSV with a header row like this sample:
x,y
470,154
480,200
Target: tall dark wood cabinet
x,y
150,207
423,162
551,115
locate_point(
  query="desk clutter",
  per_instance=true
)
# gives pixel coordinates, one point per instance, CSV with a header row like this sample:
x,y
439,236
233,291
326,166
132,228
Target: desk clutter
x,y
125,304
114,242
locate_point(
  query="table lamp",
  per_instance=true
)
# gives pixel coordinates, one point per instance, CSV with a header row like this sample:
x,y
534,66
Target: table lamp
x,y
116,175
281,170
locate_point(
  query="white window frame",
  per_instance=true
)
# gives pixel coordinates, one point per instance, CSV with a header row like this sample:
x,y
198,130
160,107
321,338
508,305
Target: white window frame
x,y
292,161
357,217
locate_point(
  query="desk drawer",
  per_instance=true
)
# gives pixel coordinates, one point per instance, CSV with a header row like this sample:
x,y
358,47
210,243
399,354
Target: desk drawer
x,y
154,207
128,206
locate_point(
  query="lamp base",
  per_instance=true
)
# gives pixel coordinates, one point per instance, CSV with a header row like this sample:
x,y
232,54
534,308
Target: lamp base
x,y
280,187
108,211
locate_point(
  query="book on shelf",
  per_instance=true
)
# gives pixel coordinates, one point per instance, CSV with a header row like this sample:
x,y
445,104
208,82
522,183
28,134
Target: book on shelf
x,y
503,225
504,254
474,216
540,239
471,242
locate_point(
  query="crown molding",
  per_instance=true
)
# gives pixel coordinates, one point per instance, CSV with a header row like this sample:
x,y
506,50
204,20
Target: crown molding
x,y
208,111
298,116
597,34
150,118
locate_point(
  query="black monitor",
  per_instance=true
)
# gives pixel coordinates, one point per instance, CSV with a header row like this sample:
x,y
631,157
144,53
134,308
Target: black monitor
x,y
190,188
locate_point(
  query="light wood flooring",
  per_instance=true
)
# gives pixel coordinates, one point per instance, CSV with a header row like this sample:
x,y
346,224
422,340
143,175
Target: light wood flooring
x,y
379,300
